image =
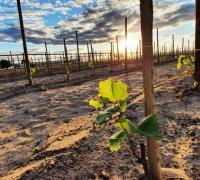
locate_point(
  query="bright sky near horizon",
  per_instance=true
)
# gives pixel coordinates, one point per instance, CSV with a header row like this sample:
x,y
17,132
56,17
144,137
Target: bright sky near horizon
x,y
97,20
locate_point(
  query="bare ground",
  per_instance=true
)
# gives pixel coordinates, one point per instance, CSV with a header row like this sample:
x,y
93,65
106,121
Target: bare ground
x,y
47,131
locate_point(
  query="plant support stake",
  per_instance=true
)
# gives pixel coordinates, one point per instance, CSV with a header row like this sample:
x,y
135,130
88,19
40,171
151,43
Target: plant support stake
x,y
146,8
28,68
197,44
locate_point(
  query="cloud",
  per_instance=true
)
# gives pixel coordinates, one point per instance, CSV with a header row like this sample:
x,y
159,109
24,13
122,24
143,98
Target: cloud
x,y
99,21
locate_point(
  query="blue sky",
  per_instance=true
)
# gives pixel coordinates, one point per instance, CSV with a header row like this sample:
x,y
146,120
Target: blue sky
x,y
97,20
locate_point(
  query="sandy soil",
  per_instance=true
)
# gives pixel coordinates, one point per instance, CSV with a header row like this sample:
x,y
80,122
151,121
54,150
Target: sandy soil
x,y
47,131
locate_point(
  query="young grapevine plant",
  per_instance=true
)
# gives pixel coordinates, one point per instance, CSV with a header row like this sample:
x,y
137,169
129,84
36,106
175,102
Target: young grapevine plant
x,y
111,102
187,62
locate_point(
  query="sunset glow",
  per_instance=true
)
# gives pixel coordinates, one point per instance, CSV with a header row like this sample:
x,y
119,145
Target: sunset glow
x,y
130,43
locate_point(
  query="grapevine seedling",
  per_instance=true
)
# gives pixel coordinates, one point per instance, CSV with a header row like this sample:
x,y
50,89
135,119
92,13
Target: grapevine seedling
x,y
187,62
112,103
33,71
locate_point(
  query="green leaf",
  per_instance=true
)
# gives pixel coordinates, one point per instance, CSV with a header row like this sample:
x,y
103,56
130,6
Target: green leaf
x,y
123,105
149,127
106,115
96,104
113,109
125,125
113,90
192,59
33,71
104,100
116,140
103,117
181,60
179,65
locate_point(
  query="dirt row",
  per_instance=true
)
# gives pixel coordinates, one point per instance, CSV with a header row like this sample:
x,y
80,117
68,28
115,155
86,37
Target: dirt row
x,y
50,134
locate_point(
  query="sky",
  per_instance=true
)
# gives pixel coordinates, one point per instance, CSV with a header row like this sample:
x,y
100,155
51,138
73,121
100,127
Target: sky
x,y
97,20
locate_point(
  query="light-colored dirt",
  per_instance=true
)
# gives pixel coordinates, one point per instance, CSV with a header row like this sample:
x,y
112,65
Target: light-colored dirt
x,y
49,134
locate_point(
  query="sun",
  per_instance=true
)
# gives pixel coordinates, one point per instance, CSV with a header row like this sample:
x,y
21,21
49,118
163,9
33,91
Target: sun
x,y
131,45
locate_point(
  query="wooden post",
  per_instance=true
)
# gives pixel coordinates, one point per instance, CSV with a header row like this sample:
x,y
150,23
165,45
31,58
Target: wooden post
x,y
140,47
197,44
66,62
182,45
118,58
18,62
158,53
88,50
47,56
111,53
96,57
78,54
50,62
188,49
146,9
126,43
164,48
13,62
93,61
173,50
28,68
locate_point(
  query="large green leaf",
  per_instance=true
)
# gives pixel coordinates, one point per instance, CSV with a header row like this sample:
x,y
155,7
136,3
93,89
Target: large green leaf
x,y
149,127
116,140
113,90
96,104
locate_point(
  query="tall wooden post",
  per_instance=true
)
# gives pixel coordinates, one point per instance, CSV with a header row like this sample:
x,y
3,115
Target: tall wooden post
x,y
118,58
66,62
88,51
173,50
146,8
188,49
140,47
47,57
158,53
13,62
92,52
197,44
78,54
164,50
96,55
126,43
182,45
28,68
154,47
111,53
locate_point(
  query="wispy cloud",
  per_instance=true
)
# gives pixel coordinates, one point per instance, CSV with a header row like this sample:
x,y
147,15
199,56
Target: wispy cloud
x,y
99,20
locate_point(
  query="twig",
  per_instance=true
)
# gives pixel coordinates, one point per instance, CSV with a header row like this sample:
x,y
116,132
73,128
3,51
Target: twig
x,y
144,160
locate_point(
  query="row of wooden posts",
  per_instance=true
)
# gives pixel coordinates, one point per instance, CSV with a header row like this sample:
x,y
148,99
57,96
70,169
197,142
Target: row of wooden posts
x,y
90,49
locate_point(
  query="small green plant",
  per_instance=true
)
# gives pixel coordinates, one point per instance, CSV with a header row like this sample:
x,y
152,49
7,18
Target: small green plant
x,y
188,62
185,61
33,71
112,103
